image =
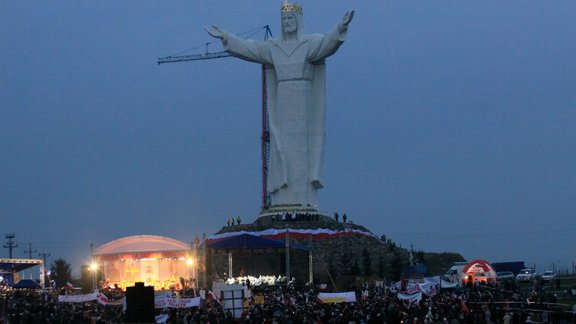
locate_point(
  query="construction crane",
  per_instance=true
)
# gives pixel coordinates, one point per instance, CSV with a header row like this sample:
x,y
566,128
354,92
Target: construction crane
x,y
265,136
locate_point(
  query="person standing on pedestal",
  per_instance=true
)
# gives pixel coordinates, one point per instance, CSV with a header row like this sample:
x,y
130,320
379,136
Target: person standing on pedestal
x,y
296,97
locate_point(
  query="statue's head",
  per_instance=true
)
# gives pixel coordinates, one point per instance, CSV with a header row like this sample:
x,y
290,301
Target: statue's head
x,y
292,20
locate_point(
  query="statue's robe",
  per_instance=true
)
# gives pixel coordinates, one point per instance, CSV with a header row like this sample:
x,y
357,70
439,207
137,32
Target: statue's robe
x,y
296,109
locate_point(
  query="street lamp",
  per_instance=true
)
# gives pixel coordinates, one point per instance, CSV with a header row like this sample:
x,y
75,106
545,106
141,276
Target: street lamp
x,y
94,268
190,263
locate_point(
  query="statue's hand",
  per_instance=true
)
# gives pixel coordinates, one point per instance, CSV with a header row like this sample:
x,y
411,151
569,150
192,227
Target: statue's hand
x,y
215,32
347,18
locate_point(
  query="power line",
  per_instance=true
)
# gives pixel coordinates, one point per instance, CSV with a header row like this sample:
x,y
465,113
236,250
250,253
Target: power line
x,y
30,251
10,245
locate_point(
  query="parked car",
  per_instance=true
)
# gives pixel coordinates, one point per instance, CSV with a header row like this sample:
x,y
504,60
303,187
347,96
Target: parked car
x,y
505,275
526,275
548,275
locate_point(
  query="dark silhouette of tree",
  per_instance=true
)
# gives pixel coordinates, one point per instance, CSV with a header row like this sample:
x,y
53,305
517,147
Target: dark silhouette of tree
x,y
366,263
396,265
419,257
381,266
332,269
86,278
355,271
61,272
391,246
346,263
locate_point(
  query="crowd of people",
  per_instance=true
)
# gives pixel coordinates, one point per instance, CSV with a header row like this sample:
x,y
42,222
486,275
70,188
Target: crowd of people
x,y
231,221
295,216
30,306
287,304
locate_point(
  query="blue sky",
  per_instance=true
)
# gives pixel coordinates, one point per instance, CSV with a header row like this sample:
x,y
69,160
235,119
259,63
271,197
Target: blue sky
x,y
450,124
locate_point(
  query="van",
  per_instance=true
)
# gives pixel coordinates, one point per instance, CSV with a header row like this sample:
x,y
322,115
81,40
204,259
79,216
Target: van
x,y
455,274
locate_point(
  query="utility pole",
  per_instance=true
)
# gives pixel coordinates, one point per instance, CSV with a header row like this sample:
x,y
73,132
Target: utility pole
x,y
10,245
45,267
204,261
287,258
44,256
30,251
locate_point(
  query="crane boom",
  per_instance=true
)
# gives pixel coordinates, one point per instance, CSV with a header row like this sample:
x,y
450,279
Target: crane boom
x,y
193,57
265,136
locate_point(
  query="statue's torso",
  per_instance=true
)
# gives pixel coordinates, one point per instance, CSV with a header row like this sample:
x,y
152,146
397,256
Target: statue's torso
x,y
291,61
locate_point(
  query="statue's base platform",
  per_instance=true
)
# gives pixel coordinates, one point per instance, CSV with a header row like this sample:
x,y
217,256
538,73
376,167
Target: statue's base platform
x,y
292,213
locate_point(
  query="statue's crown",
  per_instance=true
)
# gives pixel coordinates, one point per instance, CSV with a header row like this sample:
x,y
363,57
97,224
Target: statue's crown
x,y
291,7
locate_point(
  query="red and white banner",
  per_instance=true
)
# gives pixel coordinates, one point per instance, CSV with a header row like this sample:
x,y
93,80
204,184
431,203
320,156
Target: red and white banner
x,y
280,234
343,297
176,302
102,299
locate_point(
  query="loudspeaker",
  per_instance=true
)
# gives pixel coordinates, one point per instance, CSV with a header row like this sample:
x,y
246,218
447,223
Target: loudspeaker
x,y
140,304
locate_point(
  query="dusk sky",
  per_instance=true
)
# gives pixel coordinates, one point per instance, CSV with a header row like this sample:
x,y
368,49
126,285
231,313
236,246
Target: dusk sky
x,y
450,124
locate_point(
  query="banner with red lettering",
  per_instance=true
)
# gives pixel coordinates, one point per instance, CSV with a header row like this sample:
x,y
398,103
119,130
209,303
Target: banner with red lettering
x,y
176,302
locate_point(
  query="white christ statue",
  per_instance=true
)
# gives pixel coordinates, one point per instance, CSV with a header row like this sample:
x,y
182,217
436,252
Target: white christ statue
x,y
296,101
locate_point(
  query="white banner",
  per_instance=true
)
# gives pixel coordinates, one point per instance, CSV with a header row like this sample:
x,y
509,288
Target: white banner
x,y
410,297
448,284
434,280
343,297
77,298
176,302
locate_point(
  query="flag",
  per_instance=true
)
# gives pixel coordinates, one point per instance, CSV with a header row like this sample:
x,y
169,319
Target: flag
x,y
102,299
414,289
432,292
464,307
211,295
162,318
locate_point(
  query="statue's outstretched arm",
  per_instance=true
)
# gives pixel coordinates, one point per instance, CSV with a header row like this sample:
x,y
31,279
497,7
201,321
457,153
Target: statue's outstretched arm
x,y
215,32
346,21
